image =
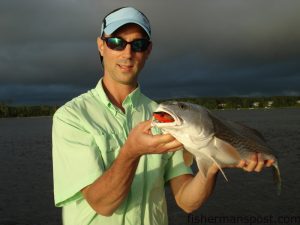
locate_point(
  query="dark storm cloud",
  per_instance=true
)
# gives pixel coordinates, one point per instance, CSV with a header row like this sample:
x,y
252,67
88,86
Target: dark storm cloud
x,y
193,78
50,63
201,48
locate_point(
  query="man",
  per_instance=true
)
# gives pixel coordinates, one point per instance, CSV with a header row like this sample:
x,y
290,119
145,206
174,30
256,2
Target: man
x,y
108,167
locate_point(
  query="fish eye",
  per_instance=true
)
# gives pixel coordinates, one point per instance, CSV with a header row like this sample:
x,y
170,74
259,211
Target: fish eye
x,y
182,106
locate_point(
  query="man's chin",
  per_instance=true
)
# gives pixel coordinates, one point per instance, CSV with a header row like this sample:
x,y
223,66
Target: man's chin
x,y
129,81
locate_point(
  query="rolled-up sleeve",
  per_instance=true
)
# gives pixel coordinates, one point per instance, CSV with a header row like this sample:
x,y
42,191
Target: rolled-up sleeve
x,y
77,162
175,166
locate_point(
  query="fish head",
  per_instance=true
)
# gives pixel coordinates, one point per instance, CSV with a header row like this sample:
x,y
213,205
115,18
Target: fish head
x,y
181,117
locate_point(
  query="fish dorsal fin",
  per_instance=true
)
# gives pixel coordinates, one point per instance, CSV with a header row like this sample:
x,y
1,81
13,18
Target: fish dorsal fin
x,y
188,158
255,133
223,126
239,136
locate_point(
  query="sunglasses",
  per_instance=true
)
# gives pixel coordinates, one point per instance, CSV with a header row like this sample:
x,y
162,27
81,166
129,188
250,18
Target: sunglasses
x,y
119,44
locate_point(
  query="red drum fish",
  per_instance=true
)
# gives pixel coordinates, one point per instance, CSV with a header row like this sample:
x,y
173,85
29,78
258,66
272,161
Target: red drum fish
x,y
210,139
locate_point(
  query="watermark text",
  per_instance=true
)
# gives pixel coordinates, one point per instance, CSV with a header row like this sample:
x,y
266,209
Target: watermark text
x,y
248,219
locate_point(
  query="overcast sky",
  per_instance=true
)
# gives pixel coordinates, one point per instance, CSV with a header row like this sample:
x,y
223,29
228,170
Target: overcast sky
x,y
48,51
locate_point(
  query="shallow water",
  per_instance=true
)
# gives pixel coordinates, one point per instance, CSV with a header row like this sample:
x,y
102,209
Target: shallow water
x,y
26,196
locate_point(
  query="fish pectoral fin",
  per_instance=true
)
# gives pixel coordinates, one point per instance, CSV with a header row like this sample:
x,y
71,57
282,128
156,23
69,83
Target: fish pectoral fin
x,y
230,154
188,158
208,152
203,163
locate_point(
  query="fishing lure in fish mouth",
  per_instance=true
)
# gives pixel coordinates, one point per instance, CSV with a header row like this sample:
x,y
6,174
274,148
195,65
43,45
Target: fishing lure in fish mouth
x,y
210,139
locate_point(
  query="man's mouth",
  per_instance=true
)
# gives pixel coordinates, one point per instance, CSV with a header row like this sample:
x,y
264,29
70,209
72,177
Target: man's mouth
x,y
125,67
163,117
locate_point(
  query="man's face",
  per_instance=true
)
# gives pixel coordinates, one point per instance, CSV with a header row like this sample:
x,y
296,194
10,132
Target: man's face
x,y
124,66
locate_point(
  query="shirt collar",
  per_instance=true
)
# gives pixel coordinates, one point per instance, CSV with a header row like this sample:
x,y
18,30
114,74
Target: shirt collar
x,y
131,100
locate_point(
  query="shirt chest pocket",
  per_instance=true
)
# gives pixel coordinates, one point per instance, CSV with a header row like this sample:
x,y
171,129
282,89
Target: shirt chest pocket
x,y
109,146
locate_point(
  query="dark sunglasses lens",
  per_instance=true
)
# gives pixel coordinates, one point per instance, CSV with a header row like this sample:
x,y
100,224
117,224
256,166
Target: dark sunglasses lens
x,y
115,43
140,45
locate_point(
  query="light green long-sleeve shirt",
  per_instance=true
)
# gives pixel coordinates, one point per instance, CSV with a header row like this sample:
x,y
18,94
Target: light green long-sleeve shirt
x,y
88,133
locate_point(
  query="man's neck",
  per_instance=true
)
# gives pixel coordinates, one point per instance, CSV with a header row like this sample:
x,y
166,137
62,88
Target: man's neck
x,y
117,92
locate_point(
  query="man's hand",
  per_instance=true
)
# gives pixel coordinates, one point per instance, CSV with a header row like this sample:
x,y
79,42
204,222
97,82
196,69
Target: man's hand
x,y
141,141
256,163
115,182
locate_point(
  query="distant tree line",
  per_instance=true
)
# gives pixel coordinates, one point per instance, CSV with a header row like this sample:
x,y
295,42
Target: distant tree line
x,y
211,103
26,111
243,102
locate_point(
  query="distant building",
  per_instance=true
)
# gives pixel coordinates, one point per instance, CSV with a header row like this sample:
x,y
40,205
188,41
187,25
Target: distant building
x,y
298,101
222,105
255,104
270,103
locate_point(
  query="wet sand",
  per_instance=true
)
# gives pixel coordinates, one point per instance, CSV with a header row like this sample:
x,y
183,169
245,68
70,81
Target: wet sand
x,y
26,190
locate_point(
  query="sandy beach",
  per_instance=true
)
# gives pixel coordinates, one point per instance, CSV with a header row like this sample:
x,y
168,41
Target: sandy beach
x,y
26,190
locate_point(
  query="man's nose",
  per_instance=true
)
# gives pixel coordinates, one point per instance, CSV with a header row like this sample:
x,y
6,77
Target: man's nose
x,y
127,52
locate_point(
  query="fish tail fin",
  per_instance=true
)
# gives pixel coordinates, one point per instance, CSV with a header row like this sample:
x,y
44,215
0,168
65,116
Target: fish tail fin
x,y
277,177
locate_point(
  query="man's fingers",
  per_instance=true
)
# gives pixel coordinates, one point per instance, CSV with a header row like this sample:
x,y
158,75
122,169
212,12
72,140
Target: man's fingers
x,y
170,146
173,146
256,163
269,162
241,164
251,164
146,125
162,139
260,163
142,141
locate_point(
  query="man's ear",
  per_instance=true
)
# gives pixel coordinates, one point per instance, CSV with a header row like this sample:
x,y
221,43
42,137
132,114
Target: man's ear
x,y
100,44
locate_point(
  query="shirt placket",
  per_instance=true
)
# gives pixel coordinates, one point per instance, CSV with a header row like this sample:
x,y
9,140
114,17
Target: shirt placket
x,y
138,183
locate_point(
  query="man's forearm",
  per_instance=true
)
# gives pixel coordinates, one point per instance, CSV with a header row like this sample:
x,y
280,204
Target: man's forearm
x,y
107,193
197,190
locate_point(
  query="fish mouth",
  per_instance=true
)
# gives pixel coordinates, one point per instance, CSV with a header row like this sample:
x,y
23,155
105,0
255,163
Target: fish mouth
x,y
163,117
